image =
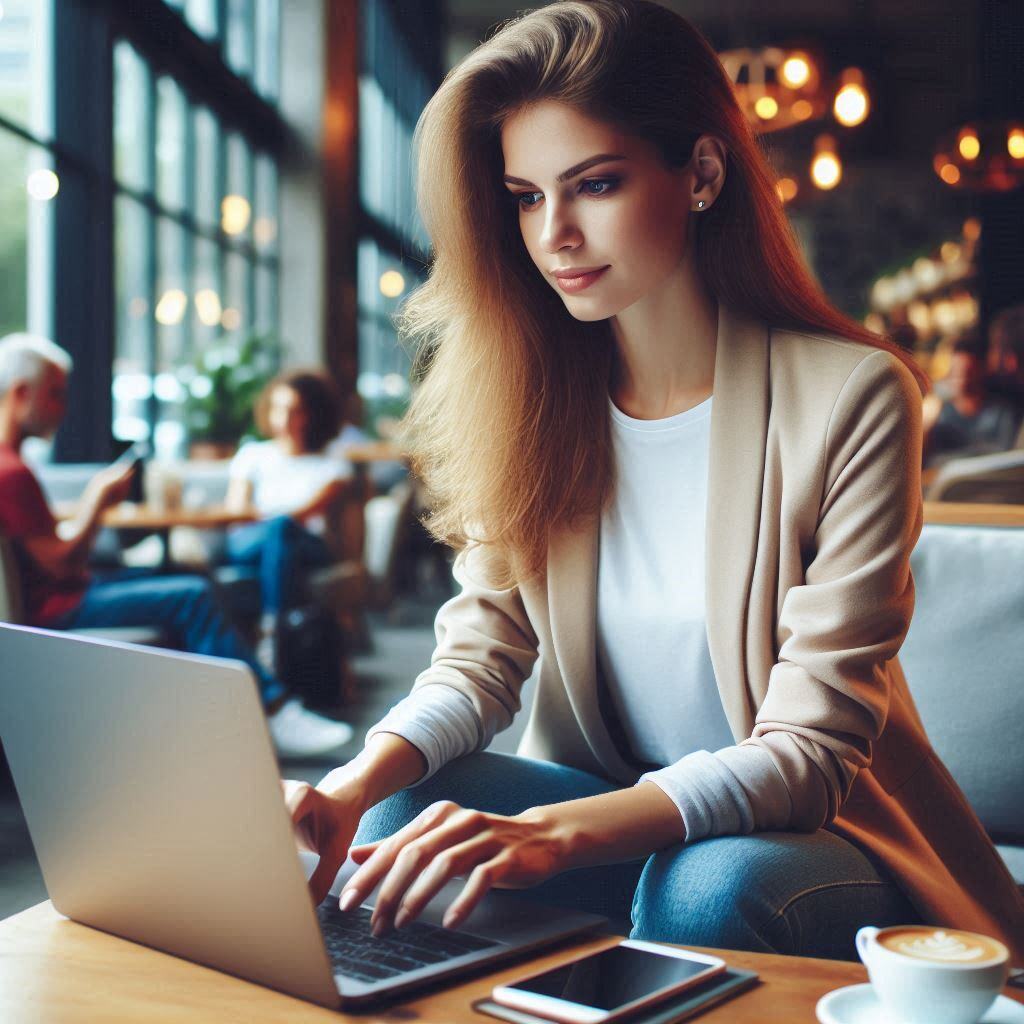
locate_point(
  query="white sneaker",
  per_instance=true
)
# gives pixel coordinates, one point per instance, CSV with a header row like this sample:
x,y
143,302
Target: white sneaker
x,y
297,732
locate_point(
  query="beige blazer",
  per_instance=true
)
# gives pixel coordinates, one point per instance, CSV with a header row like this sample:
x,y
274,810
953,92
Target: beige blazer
x,y
814,505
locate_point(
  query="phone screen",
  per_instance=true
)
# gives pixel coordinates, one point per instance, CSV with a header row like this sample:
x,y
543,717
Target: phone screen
x,y
612,978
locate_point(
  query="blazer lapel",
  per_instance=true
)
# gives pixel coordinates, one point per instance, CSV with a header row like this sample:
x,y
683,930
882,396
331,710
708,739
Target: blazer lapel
x,y
572,607
739,426
739,435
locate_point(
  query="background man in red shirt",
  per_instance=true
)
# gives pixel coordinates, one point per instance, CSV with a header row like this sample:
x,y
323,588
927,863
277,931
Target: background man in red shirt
x,y
58,591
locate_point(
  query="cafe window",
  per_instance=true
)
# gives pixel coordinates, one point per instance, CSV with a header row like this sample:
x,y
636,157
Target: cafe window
x,y
29,179
196,258
392,253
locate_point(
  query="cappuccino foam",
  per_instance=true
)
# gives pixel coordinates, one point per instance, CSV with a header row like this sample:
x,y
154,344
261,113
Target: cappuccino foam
x,y
942,946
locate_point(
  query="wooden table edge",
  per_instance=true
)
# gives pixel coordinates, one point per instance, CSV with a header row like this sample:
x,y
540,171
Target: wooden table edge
x,y
46,959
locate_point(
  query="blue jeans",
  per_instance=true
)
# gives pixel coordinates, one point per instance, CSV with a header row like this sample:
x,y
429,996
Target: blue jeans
x,y
795,893
281,548
183,606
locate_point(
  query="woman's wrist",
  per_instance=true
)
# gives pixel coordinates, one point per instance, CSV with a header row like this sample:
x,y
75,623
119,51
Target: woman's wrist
x,y
385,765
611,827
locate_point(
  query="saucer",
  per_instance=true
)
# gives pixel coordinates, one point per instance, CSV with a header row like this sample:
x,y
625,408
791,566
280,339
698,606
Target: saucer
x,y
858,1004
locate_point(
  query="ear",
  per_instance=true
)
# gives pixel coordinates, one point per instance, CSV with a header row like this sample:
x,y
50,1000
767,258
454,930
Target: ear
x,y
709,164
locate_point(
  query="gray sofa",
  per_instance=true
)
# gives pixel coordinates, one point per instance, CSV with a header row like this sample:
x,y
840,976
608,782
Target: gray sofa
x,y
964,661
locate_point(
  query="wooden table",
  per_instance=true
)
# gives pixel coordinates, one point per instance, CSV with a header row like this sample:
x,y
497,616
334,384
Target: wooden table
x,y
54,971
129,516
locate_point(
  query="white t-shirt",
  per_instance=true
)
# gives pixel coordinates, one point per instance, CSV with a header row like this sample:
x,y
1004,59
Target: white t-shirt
x,y
651,637
282,483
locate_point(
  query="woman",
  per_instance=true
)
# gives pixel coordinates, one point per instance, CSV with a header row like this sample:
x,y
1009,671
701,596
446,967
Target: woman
x,y
573,430
292,484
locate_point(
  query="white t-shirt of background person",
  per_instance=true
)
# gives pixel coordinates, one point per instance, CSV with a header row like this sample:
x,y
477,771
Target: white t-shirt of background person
x,y
282,483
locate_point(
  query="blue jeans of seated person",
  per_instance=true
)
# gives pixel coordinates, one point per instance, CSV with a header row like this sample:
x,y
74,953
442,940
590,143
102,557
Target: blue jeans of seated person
x,y
184,606
281,548
794,893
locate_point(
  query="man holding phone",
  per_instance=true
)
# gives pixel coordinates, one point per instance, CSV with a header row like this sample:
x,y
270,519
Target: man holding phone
x,y
58,591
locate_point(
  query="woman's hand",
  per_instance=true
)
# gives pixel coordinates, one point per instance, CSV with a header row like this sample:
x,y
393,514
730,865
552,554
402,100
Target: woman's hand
x,y
324,823
447,840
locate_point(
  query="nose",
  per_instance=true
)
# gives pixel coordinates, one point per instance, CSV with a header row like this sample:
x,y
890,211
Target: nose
x,y
559,228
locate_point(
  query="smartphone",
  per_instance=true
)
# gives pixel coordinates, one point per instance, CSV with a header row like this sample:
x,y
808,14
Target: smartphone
x,y
608,985
134,453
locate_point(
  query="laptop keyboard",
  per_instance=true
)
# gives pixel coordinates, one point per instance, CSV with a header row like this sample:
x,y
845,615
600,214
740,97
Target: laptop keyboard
x,y
355,953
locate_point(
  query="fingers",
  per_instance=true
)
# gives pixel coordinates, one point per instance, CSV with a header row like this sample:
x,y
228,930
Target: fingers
x,y
456,860
377,862
482,878
362,853
323,875
419,856
300,799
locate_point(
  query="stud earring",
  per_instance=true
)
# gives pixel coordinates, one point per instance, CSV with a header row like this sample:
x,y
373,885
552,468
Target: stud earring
x,y
700,204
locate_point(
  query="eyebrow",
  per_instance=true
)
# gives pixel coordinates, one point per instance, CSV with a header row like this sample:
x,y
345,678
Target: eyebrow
x,y
572,171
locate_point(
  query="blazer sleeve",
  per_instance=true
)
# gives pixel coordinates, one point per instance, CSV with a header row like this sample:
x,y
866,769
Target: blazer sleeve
x,y
828,694
486,645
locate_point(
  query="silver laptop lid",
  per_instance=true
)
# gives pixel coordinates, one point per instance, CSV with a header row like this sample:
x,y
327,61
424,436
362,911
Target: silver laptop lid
x,y
152,796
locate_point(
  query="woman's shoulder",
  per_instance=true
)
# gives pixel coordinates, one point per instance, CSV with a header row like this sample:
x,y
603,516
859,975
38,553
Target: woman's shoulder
x,y
824,365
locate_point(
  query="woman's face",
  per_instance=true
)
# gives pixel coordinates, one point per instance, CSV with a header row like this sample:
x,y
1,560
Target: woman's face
x,y
626,212
286,415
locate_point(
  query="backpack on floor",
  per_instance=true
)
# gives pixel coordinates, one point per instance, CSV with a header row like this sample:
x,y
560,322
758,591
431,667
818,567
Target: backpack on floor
x,y
311,656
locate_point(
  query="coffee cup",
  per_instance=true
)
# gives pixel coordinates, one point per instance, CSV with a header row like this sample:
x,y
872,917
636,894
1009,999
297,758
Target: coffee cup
x,y
928,975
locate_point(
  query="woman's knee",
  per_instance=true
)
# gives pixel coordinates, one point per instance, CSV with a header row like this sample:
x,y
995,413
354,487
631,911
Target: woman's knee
x,y
781,892
712,893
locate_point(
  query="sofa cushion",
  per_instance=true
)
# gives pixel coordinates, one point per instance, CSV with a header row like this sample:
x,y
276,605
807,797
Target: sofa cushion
x,y
964,661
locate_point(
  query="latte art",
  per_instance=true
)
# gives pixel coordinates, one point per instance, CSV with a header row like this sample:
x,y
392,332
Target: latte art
x,y
940,946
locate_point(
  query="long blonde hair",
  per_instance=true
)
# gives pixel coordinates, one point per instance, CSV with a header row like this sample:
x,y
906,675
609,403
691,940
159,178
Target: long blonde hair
x,y
509,424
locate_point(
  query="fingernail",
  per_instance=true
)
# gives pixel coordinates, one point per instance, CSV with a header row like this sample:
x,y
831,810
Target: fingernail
x,y
378,929
349,898
402,917
450,920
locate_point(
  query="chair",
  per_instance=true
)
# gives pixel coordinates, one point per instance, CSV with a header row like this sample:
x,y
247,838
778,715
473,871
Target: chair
x,y
12,606
964,659
994,479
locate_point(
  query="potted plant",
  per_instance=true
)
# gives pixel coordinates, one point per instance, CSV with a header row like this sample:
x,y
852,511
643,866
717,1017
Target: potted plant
x,y
221,391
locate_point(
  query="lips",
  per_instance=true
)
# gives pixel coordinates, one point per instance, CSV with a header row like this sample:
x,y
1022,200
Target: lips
x,y
575,280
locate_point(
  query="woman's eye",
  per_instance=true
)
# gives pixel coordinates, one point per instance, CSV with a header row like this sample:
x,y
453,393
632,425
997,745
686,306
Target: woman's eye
x,y
590,187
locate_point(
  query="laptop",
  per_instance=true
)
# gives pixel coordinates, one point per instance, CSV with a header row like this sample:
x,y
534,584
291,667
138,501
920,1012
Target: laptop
x,y
153,798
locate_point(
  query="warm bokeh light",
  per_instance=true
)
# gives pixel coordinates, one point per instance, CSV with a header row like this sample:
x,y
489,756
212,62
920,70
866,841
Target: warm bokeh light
x,y
392,284
766,107
969,146
851,104
972,229
803,109
787,189
796,71
926,273
42,184
950,252
1015,143
264,230
208,306
231,319
949,173
883,293
171,307
826,168
234,214
875,322
920,317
